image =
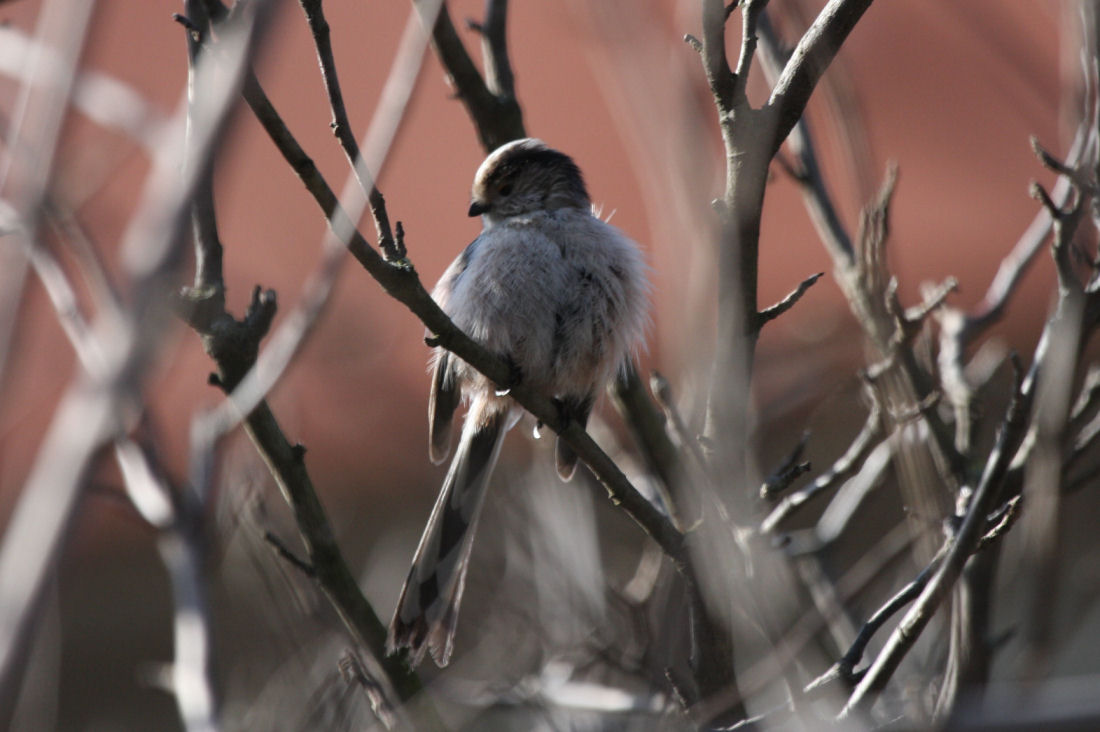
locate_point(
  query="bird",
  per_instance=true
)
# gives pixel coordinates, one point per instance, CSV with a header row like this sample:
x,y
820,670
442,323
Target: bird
x,y
562,296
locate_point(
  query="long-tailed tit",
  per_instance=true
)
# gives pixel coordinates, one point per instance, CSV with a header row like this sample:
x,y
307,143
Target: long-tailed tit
x,y
562,296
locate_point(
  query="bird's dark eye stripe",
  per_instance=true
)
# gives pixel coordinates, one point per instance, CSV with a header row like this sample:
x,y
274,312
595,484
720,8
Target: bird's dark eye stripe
x,y
506,189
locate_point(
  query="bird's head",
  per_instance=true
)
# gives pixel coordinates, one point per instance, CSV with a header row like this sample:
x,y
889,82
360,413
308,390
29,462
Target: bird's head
x,y
525,176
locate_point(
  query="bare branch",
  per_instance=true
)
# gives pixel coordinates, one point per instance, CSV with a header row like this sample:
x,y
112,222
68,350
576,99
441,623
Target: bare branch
x,y
715,63
1080,181
246,377
286,342
750,13
810,58
104,100
958,329
48,80
649,430
1002,520
934,297
771,313
1088,399
341,127
1052,374
286,554
67,308
1085,439
209,283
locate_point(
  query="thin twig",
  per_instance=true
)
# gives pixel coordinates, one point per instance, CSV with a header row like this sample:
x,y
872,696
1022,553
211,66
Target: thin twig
x,y
1016,262
787,472
651,434
844,466
771,313
341,127
1002,520
808,173
296,328
287,555
662,390
751,10
1088,399
844,669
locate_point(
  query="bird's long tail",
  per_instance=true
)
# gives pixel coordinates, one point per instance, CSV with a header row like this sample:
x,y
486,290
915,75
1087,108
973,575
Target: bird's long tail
x,y
427,610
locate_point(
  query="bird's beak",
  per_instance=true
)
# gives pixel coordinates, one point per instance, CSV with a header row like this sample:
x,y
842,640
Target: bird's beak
x,y
477,208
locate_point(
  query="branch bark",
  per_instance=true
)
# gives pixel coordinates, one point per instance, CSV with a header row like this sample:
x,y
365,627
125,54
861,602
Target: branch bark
x,y
811,57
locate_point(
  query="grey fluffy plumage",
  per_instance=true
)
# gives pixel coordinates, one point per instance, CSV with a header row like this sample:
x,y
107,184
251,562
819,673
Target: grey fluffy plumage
x,y
563,296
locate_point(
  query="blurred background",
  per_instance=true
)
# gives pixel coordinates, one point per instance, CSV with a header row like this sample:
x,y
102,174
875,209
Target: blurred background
x,y
950,91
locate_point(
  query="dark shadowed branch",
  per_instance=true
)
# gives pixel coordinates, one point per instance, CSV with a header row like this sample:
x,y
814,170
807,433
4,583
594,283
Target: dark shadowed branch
x,y
491,105
649,431
844,669
771,313
788,471
392,249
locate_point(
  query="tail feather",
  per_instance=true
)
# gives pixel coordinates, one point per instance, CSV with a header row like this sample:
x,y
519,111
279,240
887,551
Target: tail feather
x,y
428,607
442,402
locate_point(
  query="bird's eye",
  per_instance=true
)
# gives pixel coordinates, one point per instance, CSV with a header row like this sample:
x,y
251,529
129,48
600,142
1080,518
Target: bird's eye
x,y
506,189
